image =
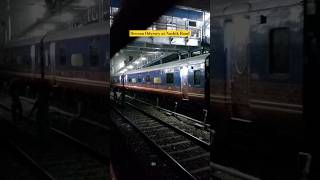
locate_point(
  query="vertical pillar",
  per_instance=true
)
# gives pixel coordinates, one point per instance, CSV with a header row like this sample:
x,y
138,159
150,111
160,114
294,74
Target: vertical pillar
x,y
3,33
9,28
203,26
311,92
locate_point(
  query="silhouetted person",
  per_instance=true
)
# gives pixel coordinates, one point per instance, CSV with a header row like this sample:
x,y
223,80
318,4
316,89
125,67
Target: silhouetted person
x,y
42,106
16,106
115,97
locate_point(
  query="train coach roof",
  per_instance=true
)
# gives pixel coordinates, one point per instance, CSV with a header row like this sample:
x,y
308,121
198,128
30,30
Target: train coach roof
x,y
88,30
84,31
188,61
23,42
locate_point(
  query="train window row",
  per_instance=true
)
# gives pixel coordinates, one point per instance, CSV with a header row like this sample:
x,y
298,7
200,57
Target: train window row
x,y
77,59
169,78
21,60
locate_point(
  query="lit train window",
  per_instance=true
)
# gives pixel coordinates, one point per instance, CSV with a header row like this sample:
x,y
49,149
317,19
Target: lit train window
x,y
170,78
157,80
94,56
197,77
134,80
148,79
279,50
63,57
77,60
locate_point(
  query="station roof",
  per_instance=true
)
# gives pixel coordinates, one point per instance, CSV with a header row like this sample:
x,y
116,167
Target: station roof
x,y
36,17
197,4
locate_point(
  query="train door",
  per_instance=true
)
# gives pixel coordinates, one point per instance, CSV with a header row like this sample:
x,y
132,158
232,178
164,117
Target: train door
x,y
236,42
184,82
33,59
52,58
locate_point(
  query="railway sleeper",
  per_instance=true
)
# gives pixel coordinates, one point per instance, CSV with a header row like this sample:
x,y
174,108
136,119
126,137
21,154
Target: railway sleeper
x,y
170,140
192,158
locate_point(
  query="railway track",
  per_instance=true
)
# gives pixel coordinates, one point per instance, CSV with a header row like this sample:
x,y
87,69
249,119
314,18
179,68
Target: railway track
x,y
196,128
64,157
71,115
185,150
187,153
195,122
11,162
74,125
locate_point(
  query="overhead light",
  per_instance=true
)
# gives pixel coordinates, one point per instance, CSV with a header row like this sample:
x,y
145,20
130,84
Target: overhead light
x,y
137,62
207,16
123,71
121,65
130,67
153,52
184,71
143,58
185,19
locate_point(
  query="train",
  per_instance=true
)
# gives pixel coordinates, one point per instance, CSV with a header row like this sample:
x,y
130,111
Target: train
x,y
258,63
183,79
256,86
75,61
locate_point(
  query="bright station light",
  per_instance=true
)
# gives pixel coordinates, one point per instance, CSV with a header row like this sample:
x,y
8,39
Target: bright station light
x,y
123,71
121,65
143,58
184,71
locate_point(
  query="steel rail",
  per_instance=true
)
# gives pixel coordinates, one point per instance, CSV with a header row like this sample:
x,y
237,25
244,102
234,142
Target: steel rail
x,y
169,111
156,146
99,156
194,139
